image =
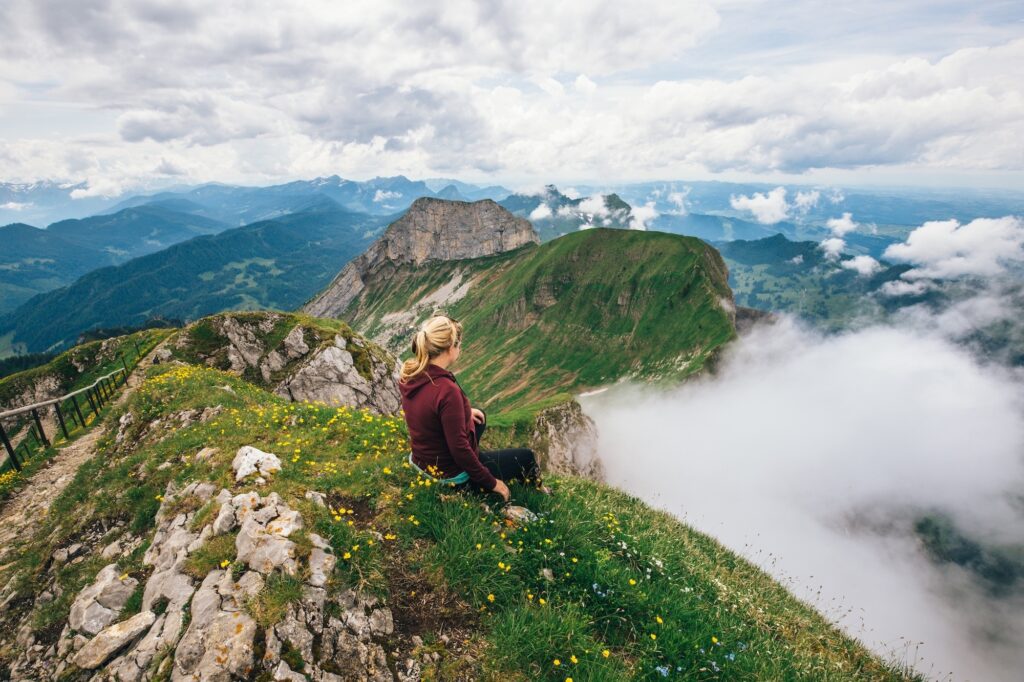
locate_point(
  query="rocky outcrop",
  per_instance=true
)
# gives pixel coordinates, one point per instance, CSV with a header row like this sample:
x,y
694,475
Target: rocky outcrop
x,y
565,441
208,631
57,377
296,360
432,229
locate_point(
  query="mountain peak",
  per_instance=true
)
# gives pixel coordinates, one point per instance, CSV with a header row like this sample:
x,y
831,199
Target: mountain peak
x,y
431,230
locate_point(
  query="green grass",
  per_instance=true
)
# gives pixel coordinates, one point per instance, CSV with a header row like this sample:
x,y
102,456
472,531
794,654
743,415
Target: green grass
x,y
217,552
270,606
430,553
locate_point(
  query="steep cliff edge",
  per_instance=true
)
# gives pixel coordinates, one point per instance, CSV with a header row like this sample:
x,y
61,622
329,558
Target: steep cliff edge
x,y
431,230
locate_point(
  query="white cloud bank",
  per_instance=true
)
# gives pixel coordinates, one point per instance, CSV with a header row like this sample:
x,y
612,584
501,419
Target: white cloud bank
x,y
810,455
944,249
642,216
542,212
235,95
772,207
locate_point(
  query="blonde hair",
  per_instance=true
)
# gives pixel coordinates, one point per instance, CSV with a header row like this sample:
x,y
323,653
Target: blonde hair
x,y
434,337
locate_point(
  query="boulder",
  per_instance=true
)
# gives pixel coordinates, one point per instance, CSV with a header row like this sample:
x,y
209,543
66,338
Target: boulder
x,y
98,605
112,639
249,460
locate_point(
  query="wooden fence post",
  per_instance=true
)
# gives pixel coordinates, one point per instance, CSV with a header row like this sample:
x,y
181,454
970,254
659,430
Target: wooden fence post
x,y
10,451
81,419
60,418
39,425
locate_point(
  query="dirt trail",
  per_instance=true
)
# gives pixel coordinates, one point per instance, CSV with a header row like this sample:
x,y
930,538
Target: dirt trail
x,y
22,514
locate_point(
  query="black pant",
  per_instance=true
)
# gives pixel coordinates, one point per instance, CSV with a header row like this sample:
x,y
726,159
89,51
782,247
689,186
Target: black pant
x,y
509,464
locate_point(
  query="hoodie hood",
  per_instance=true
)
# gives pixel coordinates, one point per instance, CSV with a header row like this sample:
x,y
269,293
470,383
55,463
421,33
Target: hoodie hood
x,y
432,372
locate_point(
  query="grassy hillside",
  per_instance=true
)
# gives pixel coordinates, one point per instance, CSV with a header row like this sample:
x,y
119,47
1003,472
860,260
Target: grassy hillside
x,y
600,587
73,369
580,311
271,264
33,261
78,366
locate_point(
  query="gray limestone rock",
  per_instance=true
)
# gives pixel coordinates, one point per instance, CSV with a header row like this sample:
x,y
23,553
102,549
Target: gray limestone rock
x,y
331,376
264,551
432,229
97,605
565,440
111,639
225,521
218,644
321,564
306,364
285,674
249,460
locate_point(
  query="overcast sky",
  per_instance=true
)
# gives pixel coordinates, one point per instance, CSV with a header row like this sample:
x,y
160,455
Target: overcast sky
x,y
120,93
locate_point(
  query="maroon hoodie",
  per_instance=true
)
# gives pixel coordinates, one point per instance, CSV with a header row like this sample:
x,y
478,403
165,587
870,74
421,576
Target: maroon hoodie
x,y
441,429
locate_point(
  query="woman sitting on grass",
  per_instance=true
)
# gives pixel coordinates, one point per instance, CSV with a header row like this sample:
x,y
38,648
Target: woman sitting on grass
x,y
444,431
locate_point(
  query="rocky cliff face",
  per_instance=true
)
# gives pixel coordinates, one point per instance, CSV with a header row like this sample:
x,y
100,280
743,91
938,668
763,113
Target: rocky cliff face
x,y
432,229
565,441
295,359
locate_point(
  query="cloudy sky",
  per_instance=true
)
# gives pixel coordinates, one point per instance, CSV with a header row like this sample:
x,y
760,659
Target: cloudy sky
x,y
128,92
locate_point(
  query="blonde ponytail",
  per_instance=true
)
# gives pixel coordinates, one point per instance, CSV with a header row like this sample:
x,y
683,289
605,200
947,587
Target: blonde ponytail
x,y
434,337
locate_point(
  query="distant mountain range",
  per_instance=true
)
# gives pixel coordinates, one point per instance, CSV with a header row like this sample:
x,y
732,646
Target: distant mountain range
x,y
379,196
46,201
43,203
33,260
555,214
36,261
276,263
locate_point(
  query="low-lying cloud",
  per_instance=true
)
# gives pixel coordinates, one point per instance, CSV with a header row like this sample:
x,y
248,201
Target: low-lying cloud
x,y
943,249
767,208
812,455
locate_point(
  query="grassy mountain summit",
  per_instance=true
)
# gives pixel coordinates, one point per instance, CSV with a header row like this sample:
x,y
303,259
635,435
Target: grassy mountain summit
x,y
577,312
